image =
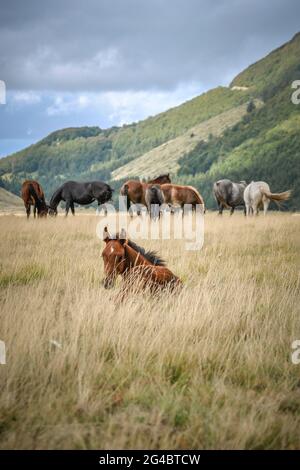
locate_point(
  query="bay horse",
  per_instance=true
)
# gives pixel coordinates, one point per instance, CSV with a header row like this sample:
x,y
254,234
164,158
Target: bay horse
x,y
229,195
139,268
175,194
80,193
134,190
33,195
257,195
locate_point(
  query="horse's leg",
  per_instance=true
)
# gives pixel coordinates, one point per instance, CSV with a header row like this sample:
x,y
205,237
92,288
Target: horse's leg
x,y
266,205
221,208
27,208
232,210
34,211
68,203
72,207
245,211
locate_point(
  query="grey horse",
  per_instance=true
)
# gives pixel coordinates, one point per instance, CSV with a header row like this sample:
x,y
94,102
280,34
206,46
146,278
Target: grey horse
x,y
229,195
258,195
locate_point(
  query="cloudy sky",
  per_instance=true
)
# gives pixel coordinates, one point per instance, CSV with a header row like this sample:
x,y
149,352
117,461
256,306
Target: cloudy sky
x,y
109,62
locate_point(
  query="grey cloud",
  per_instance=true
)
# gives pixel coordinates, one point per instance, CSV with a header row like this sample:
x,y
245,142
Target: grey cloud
x,y
136,44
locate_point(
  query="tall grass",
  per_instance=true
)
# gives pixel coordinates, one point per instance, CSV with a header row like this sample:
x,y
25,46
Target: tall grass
x,y
208,368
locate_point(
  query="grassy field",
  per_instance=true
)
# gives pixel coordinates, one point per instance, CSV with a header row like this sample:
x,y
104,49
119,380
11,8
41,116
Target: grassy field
x,y
209,368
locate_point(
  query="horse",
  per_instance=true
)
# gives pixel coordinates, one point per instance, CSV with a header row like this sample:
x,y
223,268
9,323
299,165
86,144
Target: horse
x,y
257,195
134,190
229,195
80,193
139,268
175,194
162,179
154,199
33,195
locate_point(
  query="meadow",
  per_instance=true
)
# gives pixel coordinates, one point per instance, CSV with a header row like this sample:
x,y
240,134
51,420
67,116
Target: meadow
x,y
207,368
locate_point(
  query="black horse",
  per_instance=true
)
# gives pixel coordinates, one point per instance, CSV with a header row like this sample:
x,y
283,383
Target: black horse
x,y
80,193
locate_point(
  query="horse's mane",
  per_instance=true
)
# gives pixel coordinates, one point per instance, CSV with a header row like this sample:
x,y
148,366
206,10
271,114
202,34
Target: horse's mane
x,y
150,256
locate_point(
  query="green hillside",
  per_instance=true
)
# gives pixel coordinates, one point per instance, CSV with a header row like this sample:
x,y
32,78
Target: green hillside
x,y
265,144
218,134
93,153
160,159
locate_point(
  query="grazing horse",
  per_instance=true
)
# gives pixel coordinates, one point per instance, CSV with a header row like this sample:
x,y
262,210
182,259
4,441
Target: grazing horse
x,y
134,190
80,193
229,195
175,194
33,195
154,198
257,195
138,267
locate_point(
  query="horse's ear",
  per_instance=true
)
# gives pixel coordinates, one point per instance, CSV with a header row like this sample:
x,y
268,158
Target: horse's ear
x,y
122,236
106,236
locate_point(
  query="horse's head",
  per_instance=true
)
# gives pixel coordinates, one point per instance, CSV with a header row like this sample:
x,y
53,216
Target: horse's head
x,y
113,256
52,211
164,179
106,193
43,211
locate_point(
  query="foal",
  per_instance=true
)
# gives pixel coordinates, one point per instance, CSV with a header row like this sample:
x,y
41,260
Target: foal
x,y
139,268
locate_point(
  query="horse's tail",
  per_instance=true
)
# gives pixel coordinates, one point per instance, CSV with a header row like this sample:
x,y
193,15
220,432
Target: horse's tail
x,y
277,197
199,198
124,192
38,201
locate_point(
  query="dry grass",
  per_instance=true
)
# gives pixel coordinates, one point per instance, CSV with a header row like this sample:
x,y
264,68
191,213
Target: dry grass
x,y
210,368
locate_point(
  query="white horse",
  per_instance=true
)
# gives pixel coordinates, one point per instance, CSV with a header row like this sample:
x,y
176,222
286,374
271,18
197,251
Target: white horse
x,y
257,195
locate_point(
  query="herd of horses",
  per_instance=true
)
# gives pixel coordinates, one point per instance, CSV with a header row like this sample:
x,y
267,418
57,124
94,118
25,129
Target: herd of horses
x,y
124,257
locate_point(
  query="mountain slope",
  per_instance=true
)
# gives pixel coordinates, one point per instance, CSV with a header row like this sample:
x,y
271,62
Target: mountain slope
x,y
93,153
9,202
206,138
265,144
165,157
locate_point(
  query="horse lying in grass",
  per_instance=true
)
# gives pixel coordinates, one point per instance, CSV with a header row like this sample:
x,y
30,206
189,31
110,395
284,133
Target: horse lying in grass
x,y
33,195
139,268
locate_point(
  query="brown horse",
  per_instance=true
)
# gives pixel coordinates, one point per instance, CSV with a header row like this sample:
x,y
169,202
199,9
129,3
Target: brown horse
x,y
138,267
33,195
175,194
135,190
